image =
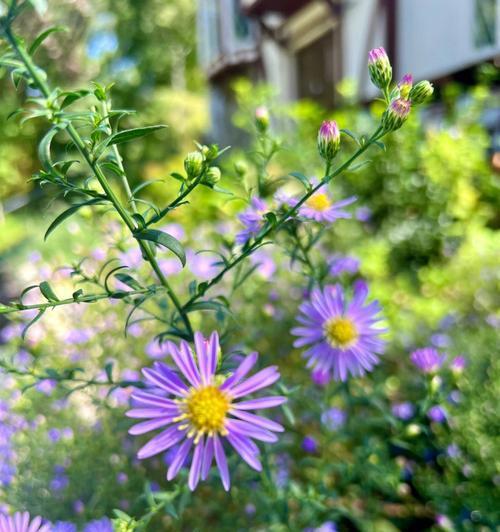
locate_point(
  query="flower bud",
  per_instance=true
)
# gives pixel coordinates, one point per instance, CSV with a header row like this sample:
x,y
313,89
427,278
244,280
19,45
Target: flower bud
x,y
262,119
328,140
193,164
413,430
421,91
396,114
405,86
210,152
212,176
379,68
241,167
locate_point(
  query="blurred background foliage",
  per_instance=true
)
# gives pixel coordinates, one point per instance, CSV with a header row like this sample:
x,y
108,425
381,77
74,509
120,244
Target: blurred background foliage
x,y
426,235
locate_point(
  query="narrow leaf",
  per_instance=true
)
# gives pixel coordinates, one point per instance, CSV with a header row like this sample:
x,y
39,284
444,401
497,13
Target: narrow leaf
x,y
44,147
163,239
127,279
39,40
47,291
69,212
303,179
130,134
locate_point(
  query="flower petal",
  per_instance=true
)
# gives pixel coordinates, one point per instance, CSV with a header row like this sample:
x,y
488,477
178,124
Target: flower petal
x,y
152,424
221,461
194,472
262,402
259,421
261,379
179,458
247,364
161,442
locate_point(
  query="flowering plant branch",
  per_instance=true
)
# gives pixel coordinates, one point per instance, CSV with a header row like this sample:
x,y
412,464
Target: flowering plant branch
x,y
204,402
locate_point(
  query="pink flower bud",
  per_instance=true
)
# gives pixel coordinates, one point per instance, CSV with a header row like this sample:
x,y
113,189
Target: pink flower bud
x,y
379,68
396,114
262,118
328,140
405,86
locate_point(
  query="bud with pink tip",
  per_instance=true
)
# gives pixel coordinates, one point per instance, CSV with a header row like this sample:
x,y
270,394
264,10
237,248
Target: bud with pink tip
x,y
262,118
328,140
396,114
405,86
379,68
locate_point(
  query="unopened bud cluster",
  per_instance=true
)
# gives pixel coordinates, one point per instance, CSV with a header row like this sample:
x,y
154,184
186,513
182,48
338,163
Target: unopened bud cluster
x,y
196,162
401,97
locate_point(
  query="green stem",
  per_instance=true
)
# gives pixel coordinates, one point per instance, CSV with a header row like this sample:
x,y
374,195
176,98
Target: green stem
x,y
9,309
96,169
282,220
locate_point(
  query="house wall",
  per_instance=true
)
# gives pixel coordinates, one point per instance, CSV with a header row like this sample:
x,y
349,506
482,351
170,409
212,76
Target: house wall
x,y
436,37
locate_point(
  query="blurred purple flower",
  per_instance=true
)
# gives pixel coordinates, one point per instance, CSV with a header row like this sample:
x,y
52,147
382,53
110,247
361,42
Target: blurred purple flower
x,y
203,265
340,265
333,418
427,359
437,414
266,265
458,364
252,220
155,350
46,386
99,525
320,378
309,445
403,410
64,526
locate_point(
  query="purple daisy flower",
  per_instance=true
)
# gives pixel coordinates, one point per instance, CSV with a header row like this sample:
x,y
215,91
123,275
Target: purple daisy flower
x,y
251,218
343,264
320,207
427,359
20,522
437,414
99,525
341,335
199,412
403,410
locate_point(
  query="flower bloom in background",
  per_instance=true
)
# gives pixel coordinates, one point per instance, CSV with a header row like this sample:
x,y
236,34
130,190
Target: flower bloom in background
x,y
340,265
99,525
20,522
333,418
328,140
437,414
309,445
204,412
321,208
341,335
403,410
251,218
63,526
427,359
379,67
458,364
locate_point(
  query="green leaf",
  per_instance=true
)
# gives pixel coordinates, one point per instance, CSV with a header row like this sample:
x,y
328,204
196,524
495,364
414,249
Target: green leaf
x,y
127,279
108,368
44,147
32,322
68,212
130,134
163,239
350,134
207,305
71,97
39,40
303,179
47,291
77,294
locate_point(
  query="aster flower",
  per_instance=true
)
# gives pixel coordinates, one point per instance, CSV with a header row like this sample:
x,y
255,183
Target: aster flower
x,y
251,218
333,418
340,265
341,335
204,410
403,410
20,522
427,359
309,444
321,208
437,414
99,525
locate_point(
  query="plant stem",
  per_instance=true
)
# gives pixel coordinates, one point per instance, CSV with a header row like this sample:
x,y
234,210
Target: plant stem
x,y
282,220
96,169
9,309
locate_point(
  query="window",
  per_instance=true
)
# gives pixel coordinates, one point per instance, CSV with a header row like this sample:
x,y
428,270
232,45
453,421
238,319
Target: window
x,y
315,71
241,26
485,23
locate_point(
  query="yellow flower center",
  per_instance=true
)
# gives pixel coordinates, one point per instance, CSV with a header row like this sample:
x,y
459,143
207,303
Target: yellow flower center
x,y
206,409
340,332
319,202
